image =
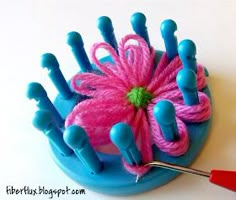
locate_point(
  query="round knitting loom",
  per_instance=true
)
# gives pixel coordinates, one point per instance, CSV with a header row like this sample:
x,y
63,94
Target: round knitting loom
x,y
144,103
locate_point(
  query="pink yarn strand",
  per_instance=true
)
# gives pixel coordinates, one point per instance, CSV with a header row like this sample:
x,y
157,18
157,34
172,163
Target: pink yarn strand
x,y
146,147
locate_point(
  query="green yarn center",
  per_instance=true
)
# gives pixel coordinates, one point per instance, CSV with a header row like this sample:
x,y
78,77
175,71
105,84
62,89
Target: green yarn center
x,y
139,97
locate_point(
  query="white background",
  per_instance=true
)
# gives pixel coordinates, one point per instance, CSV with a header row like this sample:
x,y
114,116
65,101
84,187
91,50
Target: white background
x,y
30,28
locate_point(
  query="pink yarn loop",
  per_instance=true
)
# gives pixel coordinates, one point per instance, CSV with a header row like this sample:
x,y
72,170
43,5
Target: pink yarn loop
x,y
108,105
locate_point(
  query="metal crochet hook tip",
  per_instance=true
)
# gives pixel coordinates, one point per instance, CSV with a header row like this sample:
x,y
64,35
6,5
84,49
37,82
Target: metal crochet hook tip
x,y
137,178
223,178
177,168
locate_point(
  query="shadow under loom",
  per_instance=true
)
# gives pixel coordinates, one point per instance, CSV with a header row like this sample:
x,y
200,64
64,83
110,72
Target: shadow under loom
x,y
220,146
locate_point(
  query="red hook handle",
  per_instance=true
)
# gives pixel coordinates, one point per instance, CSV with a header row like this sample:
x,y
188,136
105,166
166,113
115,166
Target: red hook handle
x,y
226,179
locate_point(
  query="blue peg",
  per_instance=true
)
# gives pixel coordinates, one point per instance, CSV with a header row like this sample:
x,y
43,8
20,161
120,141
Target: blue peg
x,y
76,43
138,22
104,24
37,92
168,28
187,52
164,113
187,83
43,121
49,61
122,136
77,139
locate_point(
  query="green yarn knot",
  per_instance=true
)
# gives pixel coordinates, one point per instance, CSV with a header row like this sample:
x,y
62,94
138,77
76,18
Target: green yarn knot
x,y
139,97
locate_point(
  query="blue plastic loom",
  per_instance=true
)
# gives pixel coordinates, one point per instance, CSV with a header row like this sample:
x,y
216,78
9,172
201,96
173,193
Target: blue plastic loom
x,y
71,149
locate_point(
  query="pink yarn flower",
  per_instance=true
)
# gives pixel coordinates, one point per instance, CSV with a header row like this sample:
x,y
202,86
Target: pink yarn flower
x,y
127,91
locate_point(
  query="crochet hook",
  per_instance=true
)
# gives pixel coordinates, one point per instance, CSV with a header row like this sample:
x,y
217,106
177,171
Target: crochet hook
x,y
223,178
